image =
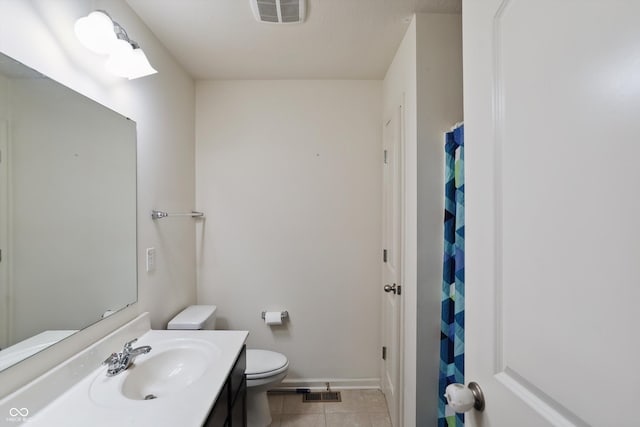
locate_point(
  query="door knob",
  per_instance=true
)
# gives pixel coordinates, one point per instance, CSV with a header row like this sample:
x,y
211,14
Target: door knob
x,y
389,288
461,398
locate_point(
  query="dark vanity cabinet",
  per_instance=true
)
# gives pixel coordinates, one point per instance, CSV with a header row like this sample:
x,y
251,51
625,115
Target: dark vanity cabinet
x,y
230,410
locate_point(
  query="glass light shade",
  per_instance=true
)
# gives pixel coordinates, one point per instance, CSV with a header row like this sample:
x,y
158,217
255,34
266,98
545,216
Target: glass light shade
x,y
125,61
140,65
120,60
95,32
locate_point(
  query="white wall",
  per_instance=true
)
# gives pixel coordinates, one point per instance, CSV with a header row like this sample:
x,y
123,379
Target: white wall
x,y
439,65
425,76
289,176
4,96
39,33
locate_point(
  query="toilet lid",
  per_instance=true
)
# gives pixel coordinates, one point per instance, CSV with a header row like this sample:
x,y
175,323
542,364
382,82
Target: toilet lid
x,y
264,363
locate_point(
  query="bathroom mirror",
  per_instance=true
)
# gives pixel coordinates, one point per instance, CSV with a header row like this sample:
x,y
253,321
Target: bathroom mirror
x,y
67,211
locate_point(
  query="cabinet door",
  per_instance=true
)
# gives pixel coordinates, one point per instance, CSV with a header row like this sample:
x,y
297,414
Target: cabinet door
x,y
238,410
218,415
236,377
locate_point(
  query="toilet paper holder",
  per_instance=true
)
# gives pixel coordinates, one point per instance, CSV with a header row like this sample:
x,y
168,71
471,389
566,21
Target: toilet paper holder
x,y
283,314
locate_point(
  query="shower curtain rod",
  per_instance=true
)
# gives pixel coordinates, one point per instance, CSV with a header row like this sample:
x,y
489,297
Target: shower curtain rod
x,y
456,126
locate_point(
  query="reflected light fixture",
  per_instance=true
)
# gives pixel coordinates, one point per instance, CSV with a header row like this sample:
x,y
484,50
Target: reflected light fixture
x,y
102,35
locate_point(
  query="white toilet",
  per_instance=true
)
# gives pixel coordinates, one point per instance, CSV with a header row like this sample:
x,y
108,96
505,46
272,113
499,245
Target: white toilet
x,y
265,369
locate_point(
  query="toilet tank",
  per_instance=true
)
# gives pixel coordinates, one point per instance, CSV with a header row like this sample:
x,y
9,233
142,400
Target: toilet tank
x,y
194,317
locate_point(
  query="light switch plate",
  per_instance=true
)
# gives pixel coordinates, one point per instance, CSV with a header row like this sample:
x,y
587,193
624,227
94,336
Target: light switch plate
x,y
151,259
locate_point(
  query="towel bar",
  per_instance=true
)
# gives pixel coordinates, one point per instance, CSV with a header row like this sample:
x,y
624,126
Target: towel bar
x,y
161,214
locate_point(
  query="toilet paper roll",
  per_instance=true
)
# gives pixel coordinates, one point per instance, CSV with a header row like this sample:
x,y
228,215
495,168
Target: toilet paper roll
x,y
273,318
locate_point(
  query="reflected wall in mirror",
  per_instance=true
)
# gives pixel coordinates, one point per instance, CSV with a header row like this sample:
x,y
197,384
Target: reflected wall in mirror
x,y
67,211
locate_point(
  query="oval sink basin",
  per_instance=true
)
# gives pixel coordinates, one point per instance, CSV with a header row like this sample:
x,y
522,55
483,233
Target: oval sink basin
x,y
167,372
170,367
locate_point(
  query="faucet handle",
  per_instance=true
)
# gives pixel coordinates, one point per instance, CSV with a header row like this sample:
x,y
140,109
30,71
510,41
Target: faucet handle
x,y
112,359
128,346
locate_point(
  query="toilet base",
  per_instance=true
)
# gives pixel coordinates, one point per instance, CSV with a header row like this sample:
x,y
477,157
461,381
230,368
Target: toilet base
x,y
258,411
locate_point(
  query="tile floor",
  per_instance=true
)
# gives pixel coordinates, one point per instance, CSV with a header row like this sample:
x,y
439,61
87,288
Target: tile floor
x,y
359,408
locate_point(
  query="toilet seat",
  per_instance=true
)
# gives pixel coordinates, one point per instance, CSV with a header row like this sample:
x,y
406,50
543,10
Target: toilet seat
x,y
264,364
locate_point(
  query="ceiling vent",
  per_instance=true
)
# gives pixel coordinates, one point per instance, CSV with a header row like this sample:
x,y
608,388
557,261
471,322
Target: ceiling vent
x,y
279,11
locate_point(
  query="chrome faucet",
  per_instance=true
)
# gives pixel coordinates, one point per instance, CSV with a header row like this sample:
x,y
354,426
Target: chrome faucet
x,y
118,362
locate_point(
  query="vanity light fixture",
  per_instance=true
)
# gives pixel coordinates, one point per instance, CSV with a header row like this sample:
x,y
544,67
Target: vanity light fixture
x,y
102,35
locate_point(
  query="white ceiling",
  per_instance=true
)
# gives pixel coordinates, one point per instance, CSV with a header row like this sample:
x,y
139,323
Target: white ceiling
x,y
341,39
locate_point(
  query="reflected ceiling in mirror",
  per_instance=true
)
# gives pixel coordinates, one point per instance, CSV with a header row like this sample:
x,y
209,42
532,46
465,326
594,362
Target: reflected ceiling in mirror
x,y
67,211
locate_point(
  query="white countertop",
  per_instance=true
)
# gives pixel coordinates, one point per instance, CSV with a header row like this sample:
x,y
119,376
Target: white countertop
x,y
78,406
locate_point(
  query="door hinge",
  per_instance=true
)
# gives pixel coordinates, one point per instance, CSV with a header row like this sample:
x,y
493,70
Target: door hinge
x,y
384,353
385,157
384,255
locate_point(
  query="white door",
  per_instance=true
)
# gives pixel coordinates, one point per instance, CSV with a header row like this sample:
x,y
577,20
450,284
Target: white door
x,y
552,139
392,262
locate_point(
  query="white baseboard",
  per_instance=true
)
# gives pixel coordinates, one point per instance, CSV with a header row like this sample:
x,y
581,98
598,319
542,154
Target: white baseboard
x,y
320,384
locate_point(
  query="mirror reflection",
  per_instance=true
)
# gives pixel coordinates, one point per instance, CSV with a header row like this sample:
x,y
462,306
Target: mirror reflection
x,y
67,211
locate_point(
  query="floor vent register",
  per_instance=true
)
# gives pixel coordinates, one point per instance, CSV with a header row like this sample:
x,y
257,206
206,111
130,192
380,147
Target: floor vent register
x,y
322,396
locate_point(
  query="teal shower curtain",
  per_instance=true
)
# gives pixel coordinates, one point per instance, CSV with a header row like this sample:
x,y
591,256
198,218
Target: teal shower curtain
x,y
452,324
